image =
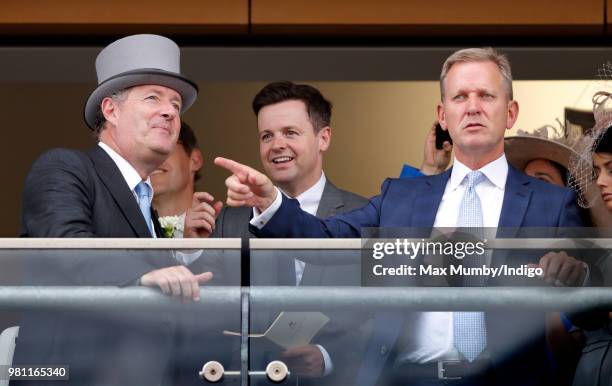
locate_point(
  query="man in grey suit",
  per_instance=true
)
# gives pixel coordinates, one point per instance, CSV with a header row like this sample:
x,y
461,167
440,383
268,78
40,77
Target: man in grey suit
x,y
293,121
106,192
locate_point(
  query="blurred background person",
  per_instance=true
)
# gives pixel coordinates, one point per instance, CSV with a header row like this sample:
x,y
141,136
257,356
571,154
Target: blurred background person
x,y
174,182
436,158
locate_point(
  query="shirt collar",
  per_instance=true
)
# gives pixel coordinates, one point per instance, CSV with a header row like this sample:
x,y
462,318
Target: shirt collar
x,y
130,175
495,171
313,194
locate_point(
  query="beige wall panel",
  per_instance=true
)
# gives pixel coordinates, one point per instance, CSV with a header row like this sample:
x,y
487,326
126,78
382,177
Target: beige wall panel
x,y
61,16
467,16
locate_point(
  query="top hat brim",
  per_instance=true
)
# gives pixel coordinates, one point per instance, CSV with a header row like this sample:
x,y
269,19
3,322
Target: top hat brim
x,y
521,150
185,87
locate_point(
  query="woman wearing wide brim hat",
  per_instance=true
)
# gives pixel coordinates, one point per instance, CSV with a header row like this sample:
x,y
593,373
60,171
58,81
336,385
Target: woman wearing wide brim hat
x,y
549,157
522,150
591,176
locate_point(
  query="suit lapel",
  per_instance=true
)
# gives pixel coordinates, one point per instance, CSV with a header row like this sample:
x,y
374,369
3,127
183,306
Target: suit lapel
x,y
156,225
330,204
428,197
331,201
516,200
115,183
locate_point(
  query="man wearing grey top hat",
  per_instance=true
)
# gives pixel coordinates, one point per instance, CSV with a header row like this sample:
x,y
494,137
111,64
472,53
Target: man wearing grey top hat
x,y
106,192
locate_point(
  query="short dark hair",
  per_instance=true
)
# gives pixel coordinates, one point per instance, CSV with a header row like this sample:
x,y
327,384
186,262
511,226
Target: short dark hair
x,y
188,139
604,143
562,171
319,109
99,119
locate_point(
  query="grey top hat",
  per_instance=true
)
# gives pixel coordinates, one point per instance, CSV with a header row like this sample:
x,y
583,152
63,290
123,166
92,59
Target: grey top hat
x,y
138,60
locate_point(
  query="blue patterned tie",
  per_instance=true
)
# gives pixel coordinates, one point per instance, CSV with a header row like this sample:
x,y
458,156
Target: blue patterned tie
x,y
469,329
144,192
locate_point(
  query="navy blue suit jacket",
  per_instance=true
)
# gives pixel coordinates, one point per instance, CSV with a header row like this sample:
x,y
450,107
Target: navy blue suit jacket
x,y
528,202
517,347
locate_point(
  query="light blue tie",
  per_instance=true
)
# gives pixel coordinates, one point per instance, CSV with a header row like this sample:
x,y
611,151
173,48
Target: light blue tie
x,y
144,192
469,329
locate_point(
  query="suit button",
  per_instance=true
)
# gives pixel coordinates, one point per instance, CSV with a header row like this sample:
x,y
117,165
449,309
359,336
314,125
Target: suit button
x,y
383,350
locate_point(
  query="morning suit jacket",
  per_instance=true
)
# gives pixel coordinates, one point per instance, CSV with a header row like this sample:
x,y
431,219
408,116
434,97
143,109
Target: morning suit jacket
x,y
68,193
275,270
516,346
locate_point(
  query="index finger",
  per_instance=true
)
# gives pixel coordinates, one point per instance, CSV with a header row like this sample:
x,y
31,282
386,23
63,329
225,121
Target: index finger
x,y
201,196
232,166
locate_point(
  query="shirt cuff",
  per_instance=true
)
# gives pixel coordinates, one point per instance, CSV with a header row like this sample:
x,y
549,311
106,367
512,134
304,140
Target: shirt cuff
x,y
587,276
327,362
260,220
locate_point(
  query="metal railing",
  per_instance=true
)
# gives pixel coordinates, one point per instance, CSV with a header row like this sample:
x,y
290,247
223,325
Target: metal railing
x,y
309,298
244,300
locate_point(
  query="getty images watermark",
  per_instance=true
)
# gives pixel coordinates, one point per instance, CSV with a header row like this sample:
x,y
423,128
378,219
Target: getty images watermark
x,y
446,251
453,256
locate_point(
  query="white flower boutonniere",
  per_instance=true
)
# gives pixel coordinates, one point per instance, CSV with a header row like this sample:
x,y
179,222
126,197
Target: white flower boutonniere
x,y
172,225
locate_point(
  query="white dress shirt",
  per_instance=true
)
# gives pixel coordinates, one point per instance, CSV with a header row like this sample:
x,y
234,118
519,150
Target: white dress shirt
x,y
430,334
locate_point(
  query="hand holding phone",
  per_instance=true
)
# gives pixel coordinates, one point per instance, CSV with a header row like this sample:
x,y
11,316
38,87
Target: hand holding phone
x,y
436,157
442,136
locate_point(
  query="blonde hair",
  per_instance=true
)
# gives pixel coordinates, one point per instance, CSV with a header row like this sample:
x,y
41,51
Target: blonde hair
x,y
487,54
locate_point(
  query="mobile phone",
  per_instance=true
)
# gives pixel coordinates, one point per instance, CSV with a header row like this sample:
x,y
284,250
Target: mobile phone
x,y
441,137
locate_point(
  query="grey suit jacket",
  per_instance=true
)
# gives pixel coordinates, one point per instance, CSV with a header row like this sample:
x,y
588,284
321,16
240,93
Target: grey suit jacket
x,y
69,193
272,269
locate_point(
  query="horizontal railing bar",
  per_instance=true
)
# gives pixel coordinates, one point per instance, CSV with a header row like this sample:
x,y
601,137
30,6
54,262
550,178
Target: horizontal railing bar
x,y
118,243
112,299
305,243
309,298
431,298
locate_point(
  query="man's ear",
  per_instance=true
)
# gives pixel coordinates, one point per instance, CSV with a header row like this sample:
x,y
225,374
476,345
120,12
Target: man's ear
x,y
324,136
109,110
513,110
441,116
196,161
